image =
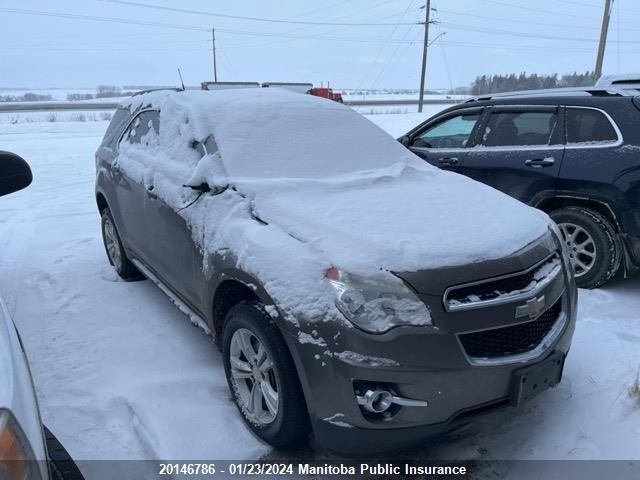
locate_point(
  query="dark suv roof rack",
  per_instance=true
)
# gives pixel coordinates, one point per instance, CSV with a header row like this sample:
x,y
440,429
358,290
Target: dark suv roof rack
x,y
629,80
571,91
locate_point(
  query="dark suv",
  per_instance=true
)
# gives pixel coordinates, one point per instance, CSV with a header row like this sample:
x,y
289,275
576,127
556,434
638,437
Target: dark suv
x,y
573,153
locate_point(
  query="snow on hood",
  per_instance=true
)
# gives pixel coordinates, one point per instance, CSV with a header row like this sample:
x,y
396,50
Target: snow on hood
x,y
334,189
405,221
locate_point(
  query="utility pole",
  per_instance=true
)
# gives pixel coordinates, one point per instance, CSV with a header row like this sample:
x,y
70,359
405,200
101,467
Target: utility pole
x,y
424,54
603,38
213,50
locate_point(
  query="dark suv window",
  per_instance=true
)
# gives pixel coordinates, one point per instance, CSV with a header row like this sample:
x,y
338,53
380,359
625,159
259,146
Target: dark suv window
x,y
519,129
140,126
585,125
452,132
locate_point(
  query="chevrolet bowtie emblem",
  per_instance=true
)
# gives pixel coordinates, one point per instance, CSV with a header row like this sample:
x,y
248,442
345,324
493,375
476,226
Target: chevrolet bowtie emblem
x,y
532,309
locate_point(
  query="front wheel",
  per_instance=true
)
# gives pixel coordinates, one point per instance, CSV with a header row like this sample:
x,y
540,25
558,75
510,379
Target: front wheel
x,y
262,378
590,239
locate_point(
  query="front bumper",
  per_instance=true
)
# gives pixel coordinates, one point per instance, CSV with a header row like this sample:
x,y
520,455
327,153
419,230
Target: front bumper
x,y
420,363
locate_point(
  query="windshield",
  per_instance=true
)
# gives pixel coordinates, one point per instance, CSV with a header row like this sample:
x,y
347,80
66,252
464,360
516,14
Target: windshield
x,y
310,143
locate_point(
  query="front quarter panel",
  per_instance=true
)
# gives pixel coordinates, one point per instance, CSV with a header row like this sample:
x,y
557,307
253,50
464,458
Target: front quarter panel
x,y
17,392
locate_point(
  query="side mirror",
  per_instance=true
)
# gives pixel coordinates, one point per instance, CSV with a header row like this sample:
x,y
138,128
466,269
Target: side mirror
x,y
405,140
15,173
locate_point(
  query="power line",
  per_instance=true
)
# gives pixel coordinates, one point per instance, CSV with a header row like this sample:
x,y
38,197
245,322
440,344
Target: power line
x,y
384,70
240,17
101,19
547,12
371,65
333,30
511,20
442,49
513,33
303,37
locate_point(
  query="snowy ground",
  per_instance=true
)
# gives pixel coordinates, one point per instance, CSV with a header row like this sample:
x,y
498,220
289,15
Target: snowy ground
x,y
121,373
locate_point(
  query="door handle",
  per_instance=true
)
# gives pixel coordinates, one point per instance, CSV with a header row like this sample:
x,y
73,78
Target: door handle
x,y
151,193
448,160
540,162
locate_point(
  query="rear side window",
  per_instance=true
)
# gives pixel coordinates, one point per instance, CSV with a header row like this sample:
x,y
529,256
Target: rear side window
x,y
144,127
515,129
585,125
115,127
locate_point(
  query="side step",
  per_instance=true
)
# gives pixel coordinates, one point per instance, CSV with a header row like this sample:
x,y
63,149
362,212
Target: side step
x,y
196,319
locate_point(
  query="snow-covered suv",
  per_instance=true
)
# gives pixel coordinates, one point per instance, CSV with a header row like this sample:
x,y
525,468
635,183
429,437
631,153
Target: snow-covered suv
x,y
352,288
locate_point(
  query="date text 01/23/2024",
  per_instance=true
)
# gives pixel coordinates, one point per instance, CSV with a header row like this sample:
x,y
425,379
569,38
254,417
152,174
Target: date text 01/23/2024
x,y
283,469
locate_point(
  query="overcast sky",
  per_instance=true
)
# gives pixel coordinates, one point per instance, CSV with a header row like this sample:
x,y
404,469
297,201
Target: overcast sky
x,y
42,48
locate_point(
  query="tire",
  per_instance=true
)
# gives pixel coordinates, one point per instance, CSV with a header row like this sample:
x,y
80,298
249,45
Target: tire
x,y
115,251
61,466
593,246
288,423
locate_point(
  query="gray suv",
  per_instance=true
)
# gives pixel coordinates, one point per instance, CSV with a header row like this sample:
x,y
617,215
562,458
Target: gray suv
x,y
355,292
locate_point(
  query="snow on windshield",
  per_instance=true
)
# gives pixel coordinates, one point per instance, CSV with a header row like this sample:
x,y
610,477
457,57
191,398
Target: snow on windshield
x,y
273,133
300,137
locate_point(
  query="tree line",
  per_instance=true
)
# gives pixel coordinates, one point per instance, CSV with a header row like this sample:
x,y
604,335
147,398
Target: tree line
x,y
529,81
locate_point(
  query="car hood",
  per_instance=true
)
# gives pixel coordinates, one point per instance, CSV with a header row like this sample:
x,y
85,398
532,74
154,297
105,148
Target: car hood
x,y
402,219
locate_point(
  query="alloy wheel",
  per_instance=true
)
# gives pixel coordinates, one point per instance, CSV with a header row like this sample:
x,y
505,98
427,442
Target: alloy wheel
x,y
112,243
254,376
580,246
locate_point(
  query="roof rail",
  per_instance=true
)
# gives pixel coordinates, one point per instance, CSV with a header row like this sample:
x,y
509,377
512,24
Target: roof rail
x,y
228,85
160,89
629,80
569,91
293,86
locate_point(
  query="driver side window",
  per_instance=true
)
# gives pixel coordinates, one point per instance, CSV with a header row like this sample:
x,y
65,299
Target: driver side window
x,y
454,132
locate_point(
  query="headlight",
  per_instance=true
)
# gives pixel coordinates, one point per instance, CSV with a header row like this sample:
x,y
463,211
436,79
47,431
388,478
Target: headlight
x,y
559,239
17,461
376,306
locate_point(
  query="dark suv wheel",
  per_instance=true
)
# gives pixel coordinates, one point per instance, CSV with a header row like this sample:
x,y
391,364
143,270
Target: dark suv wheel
x,y
591,241
262,377
115,252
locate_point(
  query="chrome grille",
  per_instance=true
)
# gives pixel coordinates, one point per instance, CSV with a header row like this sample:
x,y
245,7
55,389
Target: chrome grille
x,y
508,288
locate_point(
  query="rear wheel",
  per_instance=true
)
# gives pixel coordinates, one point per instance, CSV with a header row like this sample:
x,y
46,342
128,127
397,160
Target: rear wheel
x,y
590,239
261,375
115,252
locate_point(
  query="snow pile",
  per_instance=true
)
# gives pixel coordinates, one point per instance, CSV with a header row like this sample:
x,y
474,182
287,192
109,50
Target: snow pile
x,y
332,188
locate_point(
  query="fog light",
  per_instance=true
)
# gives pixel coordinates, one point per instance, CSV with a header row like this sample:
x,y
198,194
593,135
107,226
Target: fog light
x,y
376,401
